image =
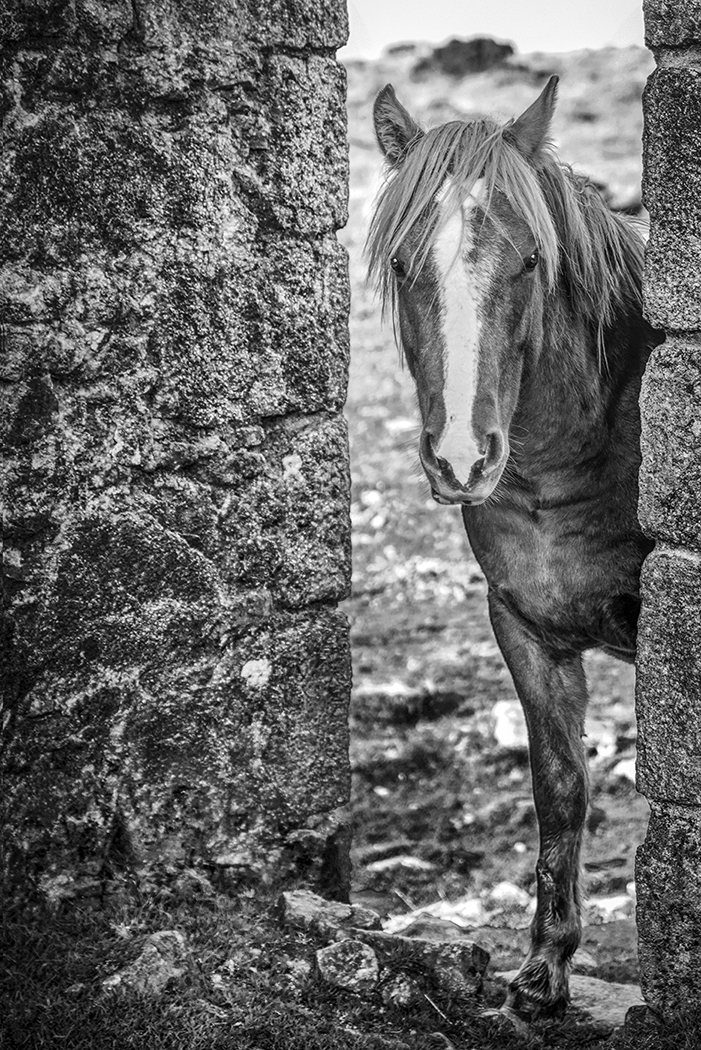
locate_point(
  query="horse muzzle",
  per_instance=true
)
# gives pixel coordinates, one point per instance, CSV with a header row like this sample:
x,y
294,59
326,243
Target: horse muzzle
x,y
483,478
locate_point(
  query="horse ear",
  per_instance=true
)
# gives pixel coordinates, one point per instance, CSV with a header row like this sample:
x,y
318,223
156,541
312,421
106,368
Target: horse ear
x,y
531,128
394,127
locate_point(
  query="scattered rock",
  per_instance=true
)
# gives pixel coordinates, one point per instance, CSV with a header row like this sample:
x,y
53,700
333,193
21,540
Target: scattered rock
x,y
455,967
508,895
404,860
614,945
364,918
350,965
509,725
606,909
605,1002
458,969
163,958
625,769
600,740
431,928
465,912
383,902
507,948
401,991
618,937
380,850
307,911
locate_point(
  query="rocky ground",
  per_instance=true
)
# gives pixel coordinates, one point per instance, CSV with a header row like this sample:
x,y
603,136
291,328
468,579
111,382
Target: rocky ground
x,y
444,823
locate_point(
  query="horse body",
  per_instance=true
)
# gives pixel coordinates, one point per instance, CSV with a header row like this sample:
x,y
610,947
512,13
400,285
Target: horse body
x,y
517,301
561,545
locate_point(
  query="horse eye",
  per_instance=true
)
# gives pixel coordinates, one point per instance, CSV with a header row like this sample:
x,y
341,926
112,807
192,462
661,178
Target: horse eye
x,y
397,266
531,261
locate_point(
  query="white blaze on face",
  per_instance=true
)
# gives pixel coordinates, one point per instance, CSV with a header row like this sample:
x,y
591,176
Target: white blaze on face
x,y
461,332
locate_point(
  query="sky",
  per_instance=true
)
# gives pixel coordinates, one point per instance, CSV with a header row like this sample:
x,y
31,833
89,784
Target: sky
x,y
532,25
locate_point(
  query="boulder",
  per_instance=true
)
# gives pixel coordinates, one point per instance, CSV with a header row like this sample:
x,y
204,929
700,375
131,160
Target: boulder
x,y
350,965
454,968
163,958
305,910
458,57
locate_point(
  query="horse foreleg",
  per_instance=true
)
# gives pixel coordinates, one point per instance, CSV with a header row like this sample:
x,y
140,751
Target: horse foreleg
x,y
552,690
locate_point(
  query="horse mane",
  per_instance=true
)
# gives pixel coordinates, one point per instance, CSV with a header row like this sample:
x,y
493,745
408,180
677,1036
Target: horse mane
x,y
594,254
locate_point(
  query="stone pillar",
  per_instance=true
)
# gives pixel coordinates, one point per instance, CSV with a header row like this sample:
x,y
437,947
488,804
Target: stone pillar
x,y
174,357
669,647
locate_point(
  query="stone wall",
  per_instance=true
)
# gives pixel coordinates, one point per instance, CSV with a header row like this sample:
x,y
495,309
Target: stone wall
x,y
174,358
669,656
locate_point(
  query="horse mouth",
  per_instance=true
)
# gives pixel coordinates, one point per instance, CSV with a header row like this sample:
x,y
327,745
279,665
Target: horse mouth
x,y
447,490
445,487
448,498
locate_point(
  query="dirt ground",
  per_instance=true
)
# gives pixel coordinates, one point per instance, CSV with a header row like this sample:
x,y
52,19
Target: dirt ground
x,y
442,797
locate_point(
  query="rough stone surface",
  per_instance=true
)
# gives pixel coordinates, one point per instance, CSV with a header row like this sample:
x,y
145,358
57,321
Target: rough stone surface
x,y
175,345
401,992
455,967
668,678
668,880
350,965
672,23
668,696
305,910
672,194
670,474
162,959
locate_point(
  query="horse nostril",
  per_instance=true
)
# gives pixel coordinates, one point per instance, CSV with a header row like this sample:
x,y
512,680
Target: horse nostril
x,y
493,452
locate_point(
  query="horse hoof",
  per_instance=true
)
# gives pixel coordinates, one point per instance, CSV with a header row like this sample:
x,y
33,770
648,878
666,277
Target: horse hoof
x,y
518,1004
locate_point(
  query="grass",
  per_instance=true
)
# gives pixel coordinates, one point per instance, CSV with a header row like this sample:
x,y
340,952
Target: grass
x,y
249,984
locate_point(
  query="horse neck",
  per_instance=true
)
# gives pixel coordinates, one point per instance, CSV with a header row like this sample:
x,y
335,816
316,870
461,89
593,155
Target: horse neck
x,y
571,393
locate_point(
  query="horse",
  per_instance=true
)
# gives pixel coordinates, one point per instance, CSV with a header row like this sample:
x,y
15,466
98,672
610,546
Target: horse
x,y
517,305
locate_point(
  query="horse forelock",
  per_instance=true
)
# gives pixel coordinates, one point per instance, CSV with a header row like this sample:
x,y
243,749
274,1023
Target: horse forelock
x,y
449,160
597,254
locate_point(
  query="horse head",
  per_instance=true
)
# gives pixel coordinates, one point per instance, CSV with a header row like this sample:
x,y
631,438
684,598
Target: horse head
x,y
464,249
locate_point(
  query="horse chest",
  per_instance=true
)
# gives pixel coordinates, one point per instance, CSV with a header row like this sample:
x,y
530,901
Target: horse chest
x,y
544,567
558,574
